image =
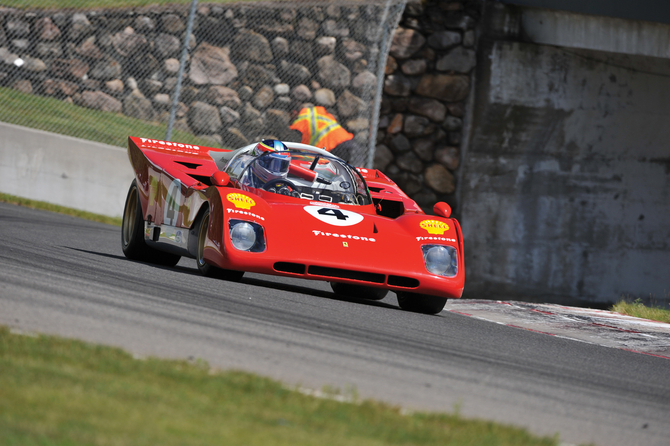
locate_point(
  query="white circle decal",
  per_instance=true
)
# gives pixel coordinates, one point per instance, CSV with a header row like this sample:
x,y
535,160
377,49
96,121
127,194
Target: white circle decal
x,y
335,217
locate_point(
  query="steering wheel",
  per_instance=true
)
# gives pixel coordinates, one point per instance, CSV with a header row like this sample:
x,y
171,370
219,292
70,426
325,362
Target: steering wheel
x,y
278,185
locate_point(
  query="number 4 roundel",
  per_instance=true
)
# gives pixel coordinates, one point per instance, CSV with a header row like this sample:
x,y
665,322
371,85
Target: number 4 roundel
x,y
335,217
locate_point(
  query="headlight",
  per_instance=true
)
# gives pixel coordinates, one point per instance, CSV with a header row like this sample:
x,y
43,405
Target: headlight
x,y
440,260
246,236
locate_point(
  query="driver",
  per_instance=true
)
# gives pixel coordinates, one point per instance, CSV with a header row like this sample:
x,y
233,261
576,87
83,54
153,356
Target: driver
x,y
272,164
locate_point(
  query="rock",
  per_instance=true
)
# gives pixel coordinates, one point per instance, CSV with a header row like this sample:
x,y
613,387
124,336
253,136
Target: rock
x,y
245,93
20,45
171,66
270,26
349,104
391,65
48,49
438,178
80,27
302,93
279,46
131,83
283,103
469,38
162,101
425,198
396,124
409,161
143,65
89,49
46,29
294,73
450,88
233,138
397,85
17,28
69,68
281,89
167,45
443,40
414,67
277,122
364,81
151,86
423,147
324,97
301,51
334,28
430,108
264,97
307,28
415,125
228,115
325,45
448,157
211,65
383,157
352,50
460,60
456,109
249,113
457,21
221,96
399,143
332,73
399,104
358,125
405,43
33,64
452,124
127,43
251,46
114,86
144,24
137,106
203,118
454,138
106,69
172,23
59,87
99,101
24,86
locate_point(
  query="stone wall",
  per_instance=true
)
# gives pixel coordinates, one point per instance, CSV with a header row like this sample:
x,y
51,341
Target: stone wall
x,y
425,90
249,67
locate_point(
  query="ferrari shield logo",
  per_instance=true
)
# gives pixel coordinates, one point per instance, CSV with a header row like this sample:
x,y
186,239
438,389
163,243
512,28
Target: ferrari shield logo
x,y
345,244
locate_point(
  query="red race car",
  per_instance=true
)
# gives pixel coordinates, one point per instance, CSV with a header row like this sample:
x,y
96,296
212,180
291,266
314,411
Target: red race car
x,y
293,210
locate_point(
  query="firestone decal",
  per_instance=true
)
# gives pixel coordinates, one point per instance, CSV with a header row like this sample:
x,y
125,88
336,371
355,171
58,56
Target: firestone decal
x,y
173,146
441,239
434,226
250,214
335,217
241,201
347,236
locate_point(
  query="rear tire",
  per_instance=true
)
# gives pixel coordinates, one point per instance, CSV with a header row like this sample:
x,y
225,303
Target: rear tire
x,y
205,268
132,234
420,303
358,291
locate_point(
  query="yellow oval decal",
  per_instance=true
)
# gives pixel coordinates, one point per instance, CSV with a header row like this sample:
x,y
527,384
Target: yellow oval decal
x,y
241,201
434,226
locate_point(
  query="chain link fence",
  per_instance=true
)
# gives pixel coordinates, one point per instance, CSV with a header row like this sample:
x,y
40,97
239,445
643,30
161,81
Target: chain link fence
x,y
237,76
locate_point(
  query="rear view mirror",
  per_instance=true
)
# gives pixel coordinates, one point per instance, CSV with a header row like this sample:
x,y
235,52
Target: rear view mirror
x,y
442,209
220,179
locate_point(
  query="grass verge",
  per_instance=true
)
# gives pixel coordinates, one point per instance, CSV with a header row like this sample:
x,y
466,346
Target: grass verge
x,y
53,115
55,391
638,309
42,205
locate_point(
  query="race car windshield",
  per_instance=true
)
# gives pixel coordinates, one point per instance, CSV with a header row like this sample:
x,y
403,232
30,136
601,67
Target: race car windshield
x,y
306,175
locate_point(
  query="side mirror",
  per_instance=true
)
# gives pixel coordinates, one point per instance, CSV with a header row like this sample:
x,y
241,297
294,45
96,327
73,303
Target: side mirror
x,y
442,209
220,179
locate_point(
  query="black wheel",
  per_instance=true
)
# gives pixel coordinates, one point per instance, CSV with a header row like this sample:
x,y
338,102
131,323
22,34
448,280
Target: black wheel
x,y
421,303
205,268
132,234
358,291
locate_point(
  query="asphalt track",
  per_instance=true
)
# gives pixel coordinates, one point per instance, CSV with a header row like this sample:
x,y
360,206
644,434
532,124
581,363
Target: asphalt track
x,y
67,276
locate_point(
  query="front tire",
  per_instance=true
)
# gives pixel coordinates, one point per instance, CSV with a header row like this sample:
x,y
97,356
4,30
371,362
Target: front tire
x,y
205,268
132,234
358,291
420,303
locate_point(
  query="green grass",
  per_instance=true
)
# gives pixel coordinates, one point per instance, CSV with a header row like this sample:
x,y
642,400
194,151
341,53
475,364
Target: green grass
x,y
53,115
638,309
63,392
42,205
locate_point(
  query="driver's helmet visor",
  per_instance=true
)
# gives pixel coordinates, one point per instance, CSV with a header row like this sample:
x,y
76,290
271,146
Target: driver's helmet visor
x,y
272,165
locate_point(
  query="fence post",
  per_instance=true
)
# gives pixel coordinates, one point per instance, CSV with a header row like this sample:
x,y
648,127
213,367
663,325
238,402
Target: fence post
x,y
182,63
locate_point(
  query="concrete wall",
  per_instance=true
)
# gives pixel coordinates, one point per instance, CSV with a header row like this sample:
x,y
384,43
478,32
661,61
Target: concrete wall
x,y
62,170
565,185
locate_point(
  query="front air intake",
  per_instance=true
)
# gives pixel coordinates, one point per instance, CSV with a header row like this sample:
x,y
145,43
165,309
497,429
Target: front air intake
x,y
346,274
405,282
288,267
